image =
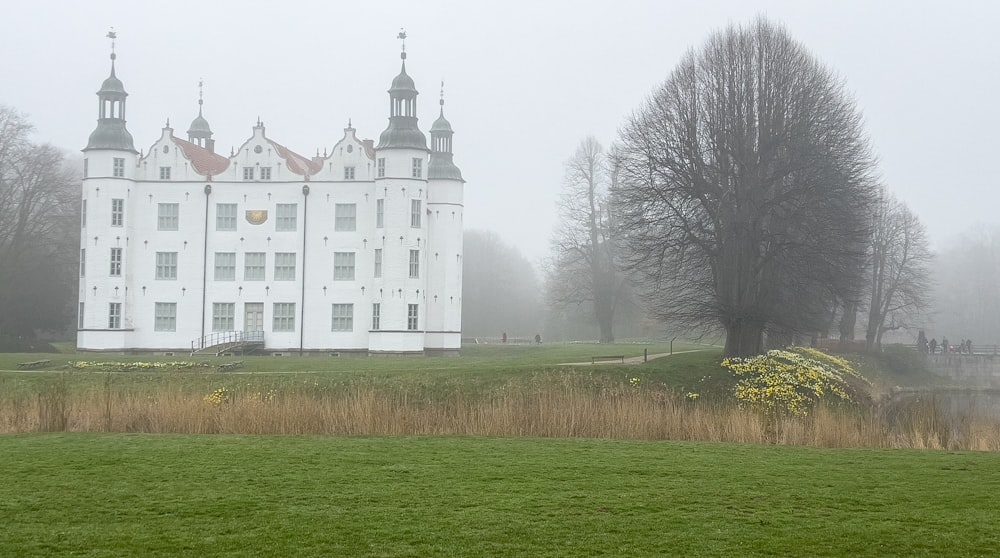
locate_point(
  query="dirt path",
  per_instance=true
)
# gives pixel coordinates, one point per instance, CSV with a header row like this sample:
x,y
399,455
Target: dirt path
x,y
632,360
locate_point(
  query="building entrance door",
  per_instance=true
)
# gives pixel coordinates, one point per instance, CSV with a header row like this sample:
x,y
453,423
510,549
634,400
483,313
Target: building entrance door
x,y
253,316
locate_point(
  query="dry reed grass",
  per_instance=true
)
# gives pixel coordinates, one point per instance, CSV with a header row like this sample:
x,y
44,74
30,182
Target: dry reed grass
x,y
561,405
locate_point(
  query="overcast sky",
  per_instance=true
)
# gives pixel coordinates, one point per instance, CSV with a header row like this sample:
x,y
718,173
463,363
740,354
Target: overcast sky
x,y
524,82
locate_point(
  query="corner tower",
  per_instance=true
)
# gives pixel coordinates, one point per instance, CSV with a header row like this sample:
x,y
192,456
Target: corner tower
x,y
200,133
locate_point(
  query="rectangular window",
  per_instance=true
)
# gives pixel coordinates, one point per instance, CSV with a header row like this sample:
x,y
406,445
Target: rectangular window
x,y
83,215
380,167
348,173
376,315
378,263
83,262
285,215
343,317
253,266
418,167
343,266
345,217
115,315
247,173
412,317
166,265
414,264
167,216
415,214
164,173
379,213
117,212
165,316
284,316
116,262
118,167
85,167
223,316
284,266
79,318
225,216
265,173
225,266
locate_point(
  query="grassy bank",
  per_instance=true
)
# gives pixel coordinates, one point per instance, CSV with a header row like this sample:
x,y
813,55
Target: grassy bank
x,y
142,495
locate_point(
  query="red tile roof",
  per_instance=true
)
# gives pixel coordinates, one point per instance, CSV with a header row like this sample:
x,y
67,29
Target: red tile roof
x,y
203,160
295,162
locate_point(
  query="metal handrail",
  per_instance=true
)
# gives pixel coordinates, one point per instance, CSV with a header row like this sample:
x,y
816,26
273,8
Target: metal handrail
x,y
223,337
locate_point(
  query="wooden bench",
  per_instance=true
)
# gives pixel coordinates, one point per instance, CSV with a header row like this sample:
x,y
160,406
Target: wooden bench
x,y
230,366
33,364
620,358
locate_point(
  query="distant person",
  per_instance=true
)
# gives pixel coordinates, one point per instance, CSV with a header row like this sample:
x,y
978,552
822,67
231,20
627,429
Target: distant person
x,y
933,345
968,346
503,338
921,342
944,345
538,338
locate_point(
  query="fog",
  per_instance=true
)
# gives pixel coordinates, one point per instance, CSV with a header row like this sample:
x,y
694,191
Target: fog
x,y
524,82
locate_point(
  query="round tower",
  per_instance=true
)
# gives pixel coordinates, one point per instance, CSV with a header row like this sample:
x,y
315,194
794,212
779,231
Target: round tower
x,y
401,224
444,240
109,169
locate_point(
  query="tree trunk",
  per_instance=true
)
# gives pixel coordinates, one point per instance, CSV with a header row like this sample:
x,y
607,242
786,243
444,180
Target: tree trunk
x,y
848,322
743,339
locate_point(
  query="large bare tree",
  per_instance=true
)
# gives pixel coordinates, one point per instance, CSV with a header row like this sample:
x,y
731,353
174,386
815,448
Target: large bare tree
x,y
745,188
500,291
899,280
584,268
39,231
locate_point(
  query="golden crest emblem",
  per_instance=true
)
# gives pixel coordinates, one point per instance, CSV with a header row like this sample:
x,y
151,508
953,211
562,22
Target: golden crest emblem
x,y
256,216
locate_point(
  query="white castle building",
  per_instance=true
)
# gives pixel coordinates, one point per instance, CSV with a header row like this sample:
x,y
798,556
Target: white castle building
x,y
185,249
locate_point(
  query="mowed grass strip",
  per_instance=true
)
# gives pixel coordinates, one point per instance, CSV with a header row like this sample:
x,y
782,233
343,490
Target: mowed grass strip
x,y
157,495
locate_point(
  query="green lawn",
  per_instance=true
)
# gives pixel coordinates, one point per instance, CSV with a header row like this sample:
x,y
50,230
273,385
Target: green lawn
x,y
159,495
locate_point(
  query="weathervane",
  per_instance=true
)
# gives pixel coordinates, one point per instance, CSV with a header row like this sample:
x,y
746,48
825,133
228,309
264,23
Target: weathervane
x,y
441,102
112,35
201,84
402,37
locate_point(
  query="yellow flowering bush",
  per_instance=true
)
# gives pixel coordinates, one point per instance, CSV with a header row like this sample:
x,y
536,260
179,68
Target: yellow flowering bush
x,y
113,366
218,397
791,380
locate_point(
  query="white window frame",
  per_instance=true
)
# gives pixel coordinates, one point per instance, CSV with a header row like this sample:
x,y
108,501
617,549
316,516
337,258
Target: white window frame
x,y
254,266
117,212
247,173
225,266
380,167
83,214
116,262
118,167
114,315
168,216
414,264
165,316
286,217
265,173
79,317
164,173
223,316
225,216
348,173
345,217
380,213
342,317
166,266
418,167
415,219
83,262
412,317
284,266
343,266
376,315
283,317
378,263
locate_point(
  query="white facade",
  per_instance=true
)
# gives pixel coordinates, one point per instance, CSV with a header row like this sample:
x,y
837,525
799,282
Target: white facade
x,y
358,250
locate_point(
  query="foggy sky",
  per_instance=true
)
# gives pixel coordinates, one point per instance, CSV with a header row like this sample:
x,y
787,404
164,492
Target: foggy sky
x,y
524,82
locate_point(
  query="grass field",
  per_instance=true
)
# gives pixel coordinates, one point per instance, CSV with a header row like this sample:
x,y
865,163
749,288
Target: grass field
x,y
160,495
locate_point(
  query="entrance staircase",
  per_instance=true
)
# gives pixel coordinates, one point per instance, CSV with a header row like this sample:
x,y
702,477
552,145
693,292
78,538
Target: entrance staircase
x,y
221,342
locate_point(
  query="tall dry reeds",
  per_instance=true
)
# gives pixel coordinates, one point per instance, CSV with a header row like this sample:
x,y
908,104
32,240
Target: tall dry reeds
x,y
554,405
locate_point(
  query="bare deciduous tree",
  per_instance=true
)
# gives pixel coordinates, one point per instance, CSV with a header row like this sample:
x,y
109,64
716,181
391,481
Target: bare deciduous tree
x,y
584,269
745,188
899,280
39,231
500,292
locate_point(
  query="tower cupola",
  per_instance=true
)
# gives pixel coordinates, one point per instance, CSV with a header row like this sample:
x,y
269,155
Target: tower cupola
x,y
111,132
441,164
200,133
402,132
